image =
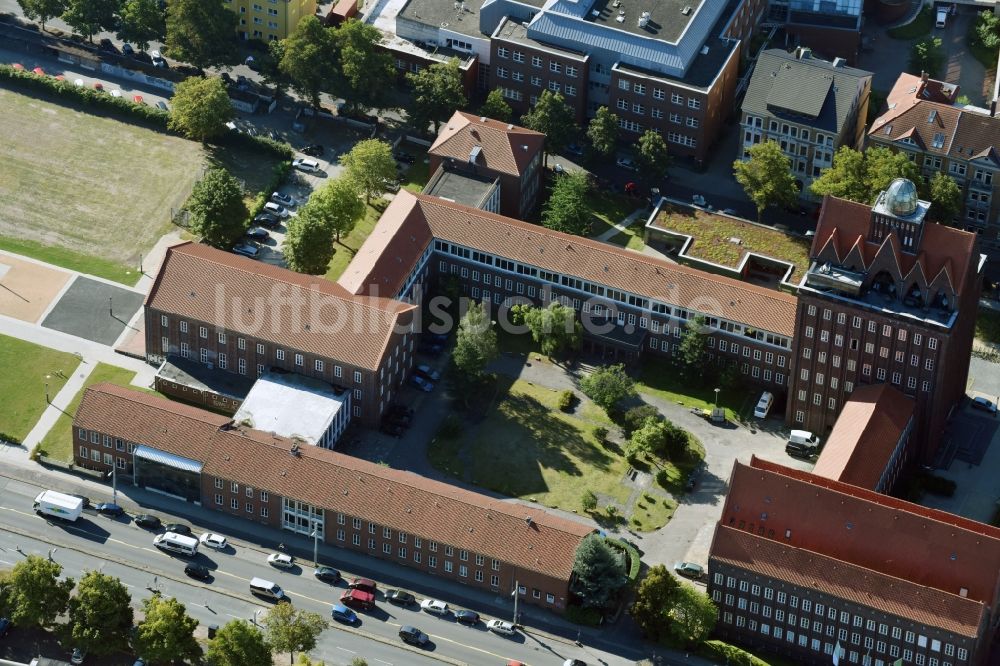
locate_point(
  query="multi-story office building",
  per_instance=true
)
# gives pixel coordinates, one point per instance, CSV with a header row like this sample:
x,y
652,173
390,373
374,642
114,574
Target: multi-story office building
x,y
269,20
889,298
810,107
801,565
923,122
833,29
397,516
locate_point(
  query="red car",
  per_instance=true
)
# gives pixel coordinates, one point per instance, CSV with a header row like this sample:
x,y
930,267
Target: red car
x,y
39,71
18,66
137,99
358,599
98,85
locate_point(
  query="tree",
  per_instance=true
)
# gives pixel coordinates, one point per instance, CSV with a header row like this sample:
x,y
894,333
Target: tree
x,y
437,94
218,213
603,132
34,594
200,108
588,500
304,660
87,17
238,643
767,176
338,205
694,345
496,107
926,56
166,634
202,32
41,10
946,198
308,244
598,571
652,157
653,598
650,438
554,118
985,32
475,343
884,165
608,385
292,630
269,66
309,59
142,21
845,179
555,328
366,71
692,616
100,614
370,166
567,209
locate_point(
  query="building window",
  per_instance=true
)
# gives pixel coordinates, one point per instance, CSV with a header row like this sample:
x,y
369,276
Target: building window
x,y
203,332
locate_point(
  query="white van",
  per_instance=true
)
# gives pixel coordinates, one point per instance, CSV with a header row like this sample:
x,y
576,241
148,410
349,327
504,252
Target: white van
x,y
942,18
267,589
803,437
176,543
763,405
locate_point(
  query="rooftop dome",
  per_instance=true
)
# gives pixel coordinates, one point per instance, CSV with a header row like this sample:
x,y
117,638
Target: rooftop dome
x,y
901,197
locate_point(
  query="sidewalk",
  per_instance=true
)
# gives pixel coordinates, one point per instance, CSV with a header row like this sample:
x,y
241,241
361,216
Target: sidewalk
x,y
57,406
619,227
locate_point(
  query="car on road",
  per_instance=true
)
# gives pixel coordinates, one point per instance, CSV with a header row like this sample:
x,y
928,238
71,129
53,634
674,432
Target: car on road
x,y
366,584
343,614
434,607
281,560
109,509
158,60
212,540
399,597
313,150
258,234
283,199
985,404
429,373
127,49
501,627
247,250
199,571
266,220
305,164
689,569
162,106
412,635
421,383
626,163
327,574
276,209
178,528
148,521
82,498
4,626
467,617
78,656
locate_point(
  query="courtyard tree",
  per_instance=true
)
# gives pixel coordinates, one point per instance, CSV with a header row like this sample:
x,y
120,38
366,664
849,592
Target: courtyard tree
x,y
475,342
496,107
238,643
100,614
653,599
554,328
366,72
608,385
588,500
603,132
34,593
598,571
692,616
142,22
308,60
554,118
767,177
946,198
200,108
308,246
292,630
652,157
88,17
42,10
202,33
927,55
338,204
166,634
567,209
860,176
649,439
269,66
693,347
883,165
985,33
217,211
370,166
437,94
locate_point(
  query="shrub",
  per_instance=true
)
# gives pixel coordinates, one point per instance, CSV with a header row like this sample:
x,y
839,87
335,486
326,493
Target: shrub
x,y
589,500
725,653
663,478
278,175
601,434
566,400
589,617
632,557
636,417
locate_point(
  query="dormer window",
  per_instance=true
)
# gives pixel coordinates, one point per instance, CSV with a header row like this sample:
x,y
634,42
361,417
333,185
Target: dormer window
x,y
938,141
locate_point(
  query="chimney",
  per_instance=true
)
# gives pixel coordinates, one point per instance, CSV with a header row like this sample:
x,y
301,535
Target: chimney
x,y
803,53
839,62
993,108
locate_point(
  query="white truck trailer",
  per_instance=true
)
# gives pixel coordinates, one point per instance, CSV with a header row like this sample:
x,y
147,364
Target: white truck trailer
x,y
58,505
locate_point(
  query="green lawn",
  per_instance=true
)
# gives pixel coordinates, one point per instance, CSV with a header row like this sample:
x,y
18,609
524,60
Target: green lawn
x,y
60,256
651,512
418,173
988,325
58,442
609,209
659,377
27,368
525,447
351,243
630,238
919,27
714,234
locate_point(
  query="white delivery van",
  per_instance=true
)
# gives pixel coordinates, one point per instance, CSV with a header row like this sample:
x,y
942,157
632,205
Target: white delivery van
x,y
803,437
763,405
176,543
267,589
58,505
942,18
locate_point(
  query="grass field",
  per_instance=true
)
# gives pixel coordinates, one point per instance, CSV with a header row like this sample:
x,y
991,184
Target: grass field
x,y
350,243
58,442
988,325
91,185
609,209
660,378
27,368
630,238
651,512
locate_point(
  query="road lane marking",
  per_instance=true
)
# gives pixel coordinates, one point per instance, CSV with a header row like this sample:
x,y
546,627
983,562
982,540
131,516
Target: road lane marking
x,y
344,649
389,663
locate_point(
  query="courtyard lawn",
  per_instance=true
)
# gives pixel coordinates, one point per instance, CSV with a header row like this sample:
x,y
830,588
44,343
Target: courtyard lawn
x,y
525,447
651,512
75,261
988,325
609,209
916,28
87,183
58,441
660,378
352,242
418,173
630,238
27,368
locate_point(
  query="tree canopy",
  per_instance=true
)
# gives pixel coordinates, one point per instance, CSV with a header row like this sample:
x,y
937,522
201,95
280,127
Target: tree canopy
x,y
692,616
608,385
88,17
366,71
292,630
926,55
202,32
694,345
652,157
567,209
200,108
475,342
218,213
555,328
554,118
370,166
338,204
308,246
862,176
946,198
166,634
767,177
100,614
496,107
309,59
658,437
42,10
598,571
35,594
603,132
238,643
142,21
437,94
653,598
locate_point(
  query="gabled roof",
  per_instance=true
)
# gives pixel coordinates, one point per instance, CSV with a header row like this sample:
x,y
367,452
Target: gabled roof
x,y
865,435
927,547
503,148
867,588
930,90
930,125
253,298
403,501
978,136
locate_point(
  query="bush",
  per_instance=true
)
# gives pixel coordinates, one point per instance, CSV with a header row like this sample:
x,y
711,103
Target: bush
x,y
632,556
279,173
663,478
601,434
566,400
589,617
730,654
589,500
636,417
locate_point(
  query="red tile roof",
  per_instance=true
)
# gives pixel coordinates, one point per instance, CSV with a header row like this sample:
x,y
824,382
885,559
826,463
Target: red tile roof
x,y
861,586
505,148
253,298
865,435
392,498
930,90
927,547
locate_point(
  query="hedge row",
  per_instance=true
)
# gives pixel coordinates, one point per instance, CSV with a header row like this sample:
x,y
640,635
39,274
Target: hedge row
x,y
279,173
730,654
634,562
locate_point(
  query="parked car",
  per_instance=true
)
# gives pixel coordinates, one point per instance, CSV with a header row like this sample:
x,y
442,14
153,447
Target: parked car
x,y
763,405
434,607
247,250
626,163
162,106
421,383
148,521
985,404
689,569
401,420
281,560
412,635
109,509
199,571
140,56
574,149
78,656
313,150
698,200
366,584
137,99
404,157
212,540
266,220
431,349
276,209
429,373
343,614
303,164
178,528
98,86
501,627
467,617
78,83
398,408
107,45
116,93
127,49
4,626
399,597
258,234
283,199
327,574
158,60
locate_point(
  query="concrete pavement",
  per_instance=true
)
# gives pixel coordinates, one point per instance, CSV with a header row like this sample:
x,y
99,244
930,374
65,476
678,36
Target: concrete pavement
x,y
619,227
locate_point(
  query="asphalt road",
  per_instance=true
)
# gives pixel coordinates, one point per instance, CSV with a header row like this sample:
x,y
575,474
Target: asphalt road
x,y
120,548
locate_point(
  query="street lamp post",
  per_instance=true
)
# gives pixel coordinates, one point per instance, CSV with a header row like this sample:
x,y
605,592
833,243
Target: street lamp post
x,y
516,587
315,536
717,398
111,310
